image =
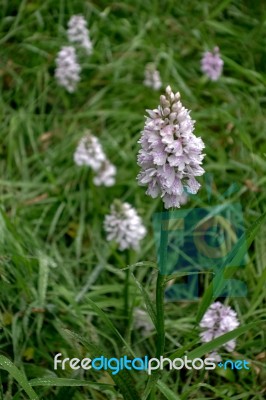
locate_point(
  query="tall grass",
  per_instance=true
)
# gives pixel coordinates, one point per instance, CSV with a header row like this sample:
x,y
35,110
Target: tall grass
x,y
61,287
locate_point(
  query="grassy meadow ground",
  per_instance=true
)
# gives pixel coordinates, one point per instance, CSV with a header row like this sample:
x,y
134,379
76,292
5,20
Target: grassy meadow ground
x,y
57,270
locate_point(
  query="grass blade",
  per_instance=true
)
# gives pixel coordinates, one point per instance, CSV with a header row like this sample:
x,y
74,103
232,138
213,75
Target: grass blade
x,y
8,366
66,382
219,341
123,380
150,308
168,393
109,323
234,259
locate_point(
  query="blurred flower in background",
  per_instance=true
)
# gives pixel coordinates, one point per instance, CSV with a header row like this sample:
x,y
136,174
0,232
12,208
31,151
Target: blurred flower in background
x,y
212,64
218,320
124,226
142,321
152,77
170,155
78,32
90,152
67,71
105,174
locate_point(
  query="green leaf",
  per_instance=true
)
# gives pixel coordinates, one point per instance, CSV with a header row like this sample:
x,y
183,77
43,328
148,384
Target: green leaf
x,y
180,352
219,341
222,28
149,305
123,380
109,323
42,287
181,274
195,388
219,8
8,366
168,393
149,264
249,74
153,378
43,278
227,374
258,295
66,382
234,258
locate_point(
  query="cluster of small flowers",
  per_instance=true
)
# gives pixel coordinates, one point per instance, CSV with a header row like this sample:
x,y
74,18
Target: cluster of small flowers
x,y
89,152
78,32
152,77
212,64
68,70
218,320
124,226
170,155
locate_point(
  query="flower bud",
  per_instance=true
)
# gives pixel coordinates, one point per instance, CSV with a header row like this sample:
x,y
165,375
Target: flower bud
x,y
172,116
166,111
168,90
177,96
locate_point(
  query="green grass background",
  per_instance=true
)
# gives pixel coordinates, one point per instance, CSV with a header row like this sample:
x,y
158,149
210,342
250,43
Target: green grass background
x,y
54,257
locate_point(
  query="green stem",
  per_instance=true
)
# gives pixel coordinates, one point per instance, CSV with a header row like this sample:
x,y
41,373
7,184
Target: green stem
x,y
126,293
127,286
160,286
